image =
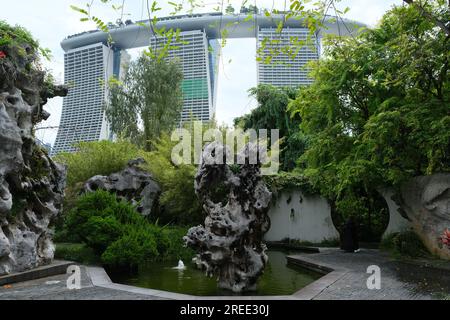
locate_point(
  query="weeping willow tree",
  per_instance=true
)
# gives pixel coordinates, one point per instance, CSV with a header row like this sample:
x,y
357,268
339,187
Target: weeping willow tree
x,y
147,102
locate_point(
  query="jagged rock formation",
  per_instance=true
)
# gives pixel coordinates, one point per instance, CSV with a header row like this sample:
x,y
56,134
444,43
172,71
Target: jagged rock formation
x,y
132,184
31,184
425,201
230,244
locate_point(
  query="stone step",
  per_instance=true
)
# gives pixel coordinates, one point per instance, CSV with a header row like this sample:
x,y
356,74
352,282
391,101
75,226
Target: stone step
x,y
56,267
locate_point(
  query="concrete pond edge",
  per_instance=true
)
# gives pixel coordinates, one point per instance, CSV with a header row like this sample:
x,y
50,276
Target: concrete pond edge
x,y
52,269
100,278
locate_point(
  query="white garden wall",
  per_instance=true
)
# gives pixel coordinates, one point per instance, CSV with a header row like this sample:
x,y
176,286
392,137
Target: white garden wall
x,y
301,217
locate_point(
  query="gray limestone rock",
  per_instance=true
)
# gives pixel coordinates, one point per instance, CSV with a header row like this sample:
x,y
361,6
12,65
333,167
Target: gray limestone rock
x,y
236,201
425,200
132,184
31,184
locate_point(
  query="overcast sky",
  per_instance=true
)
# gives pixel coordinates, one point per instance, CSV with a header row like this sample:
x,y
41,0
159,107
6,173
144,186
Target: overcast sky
x,y
50,21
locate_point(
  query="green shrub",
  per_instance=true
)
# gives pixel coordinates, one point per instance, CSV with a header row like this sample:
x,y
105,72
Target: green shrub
x,y
330,242
405,244
179,203
99,232
96,204
147,243
63,235
287,181
131,249
91,158
176,249
178,199
77,252
96,158
13,36
12,41
118,234
326,242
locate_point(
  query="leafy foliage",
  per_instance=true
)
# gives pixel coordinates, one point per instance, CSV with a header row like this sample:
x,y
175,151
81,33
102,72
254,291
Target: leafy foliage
x,y
133,248
301,244
285,181
20,57
312,17
175,247
96,158
15,36
378,112
118,234
148,102
77,252
91,158
229,9
406,244
271,113
369,210
178,198
96,219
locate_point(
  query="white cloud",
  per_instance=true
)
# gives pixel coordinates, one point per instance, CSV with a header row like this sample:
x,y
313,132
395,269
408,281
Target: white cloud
x,y
367,11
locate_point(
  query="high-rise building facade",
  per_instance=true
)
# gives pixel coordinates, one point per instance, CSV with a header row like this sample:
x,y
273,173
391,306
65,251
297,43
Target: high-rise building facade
x,y
88,62
198,58
83,117
287,68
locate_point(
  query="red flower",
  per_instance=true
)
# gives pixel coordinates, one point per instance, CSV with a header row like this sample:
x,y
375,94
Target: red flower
x,y
445,238
447,233
2,55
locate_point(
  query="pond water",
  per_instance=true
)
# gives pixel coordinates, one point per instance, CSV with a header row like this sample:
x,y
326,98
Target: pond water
x,y
278,278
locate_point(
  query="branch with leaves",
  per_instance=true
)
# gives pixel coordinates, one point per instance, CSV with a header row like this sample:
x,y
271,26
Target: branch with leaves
x,y
313,19
444,26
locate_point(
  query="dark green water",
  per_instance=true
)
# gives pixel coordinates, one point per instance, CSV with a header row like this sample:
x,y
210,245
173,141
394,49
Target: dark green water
x,y
278,278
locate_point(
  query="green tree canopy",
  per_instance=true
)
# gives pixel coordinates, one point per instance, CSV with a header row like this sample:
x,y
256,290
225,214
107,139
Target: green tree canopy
x,y
272,113
229,9
252,8
378,112
147,102
179,202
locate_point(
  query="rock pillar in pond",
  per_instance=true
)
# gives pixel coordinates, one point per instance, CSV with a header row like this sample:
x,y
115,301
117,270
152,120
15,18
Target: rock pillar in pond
x,y
236,201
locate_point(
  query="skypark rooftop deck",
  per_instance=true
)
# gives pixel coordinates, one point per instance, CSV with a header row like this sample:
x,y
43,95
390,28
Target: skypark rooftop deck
x,y
237,26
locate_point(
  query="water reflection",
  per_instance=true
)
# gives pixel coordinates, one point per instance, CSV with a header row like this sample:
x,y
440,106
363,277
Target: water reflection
x,y
278,278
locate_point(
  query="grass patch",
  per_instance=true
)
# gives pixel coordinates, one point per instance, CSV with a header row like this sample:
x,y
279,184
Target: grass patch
x,y
77,252
325,243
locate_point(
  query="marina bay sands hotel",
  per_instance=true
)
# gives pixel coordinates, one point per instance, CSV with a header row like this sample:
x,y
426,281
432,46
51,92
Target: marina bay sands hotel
x,y
89,59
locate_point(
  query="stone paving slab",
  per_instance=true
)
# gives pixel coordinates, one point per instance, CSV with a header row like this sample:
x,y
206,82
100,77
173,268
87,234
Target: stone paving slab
x,y
399,281
56,267
55,288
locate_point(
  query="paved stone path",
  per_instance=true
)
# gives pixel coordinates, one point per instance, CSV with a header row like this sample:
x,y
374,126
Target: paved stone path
x,y
398,281
54,288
